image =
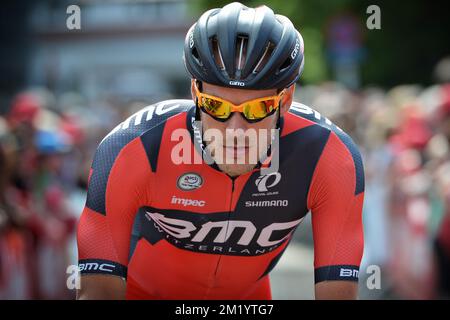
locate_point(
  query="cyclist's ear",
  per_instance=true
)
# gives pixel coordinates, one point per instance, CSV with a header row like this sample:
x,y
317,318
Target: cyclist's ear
x,y
193,89
287,99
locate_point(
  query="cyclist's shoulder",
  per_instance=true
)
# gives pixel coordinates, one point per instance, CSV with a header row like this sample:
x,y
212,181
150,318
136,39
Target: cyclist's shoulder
x,y
322,128
145,119
342,150
117,147
305,116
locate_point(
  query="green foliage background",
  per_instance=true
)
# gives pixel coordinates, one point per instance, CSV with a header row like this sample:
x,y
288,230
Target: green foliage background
x,y
414,36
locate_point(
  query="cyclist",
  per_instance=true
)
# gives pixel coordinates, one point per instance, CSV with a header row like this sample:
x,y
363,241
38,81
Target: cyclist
x,y
168,216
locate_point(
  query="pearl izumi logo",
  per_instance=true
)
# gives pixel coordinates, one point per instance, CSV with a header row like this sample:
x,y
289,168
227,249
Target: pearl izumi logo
x,y
189,181
268,181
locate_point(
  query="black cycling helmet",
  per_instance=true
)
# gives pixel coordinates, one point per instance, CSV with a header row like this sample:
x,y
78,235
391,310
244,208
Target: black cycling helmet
x,y
248,48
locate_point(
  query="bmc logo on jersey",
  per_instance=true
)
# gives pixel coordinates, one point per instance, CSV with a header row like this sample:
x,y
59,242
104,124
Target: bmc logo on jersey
x,y
94,266
189,181
223,230
348,273
268,181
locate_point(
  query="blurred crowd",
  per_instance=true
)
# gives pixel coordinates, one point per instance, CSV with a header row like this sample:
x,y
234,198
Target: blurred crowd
x,y
46,147
404,137
47,143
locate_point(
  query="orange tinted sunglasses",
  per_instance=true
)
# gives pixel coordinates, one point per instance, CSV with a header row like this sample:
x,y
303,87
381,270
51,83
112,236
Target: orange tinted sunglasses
x,y
252,110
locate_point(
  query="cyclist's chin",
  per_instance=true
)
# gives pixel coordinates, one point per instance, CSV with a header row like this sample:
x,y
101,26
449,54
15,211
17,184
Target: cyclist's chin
x,y
234,170
235,161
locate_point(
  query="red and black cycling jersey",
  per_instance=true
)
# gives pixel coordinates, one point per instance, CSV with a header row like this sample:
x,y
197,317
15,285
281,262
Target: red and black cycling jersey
x,y
189,231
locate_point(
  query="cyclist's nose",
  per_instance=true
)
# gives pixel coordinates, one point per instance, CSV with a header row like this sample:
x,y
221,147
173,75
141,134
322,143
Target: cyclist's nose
x,y
236,122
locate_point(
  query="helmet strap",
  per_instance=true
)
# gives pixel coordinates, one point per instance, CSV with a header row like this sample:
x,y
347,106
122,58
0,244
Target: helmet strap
x,y
197,110
278,125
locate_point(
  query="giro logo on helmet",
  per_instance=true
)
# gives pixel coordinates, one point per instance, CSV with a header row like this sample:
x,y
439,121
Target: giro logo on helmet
x,y
237,83
191,40
295,51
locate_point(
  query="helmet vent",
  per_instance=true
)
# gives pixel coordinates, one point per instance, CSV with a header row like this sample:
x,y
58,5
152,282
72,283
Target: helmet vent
x,y
217,54
265,57
241,51
286,64
196,56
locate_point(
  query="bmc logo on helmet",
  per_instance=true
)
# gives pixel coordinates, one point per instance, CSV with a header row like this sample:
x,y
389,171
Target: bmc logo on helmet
x,y
237,83
261,182
295,51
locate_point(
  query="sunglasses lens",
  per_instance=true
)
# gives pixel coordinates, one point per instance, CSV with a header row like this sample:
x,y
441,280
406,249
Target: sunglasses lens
x,y
215,108
253,111
258,109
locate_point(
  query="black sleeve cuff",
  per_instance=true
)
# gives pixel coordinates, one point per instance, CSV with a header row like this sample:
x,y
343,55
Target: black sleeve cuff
x,y
341,272
91,266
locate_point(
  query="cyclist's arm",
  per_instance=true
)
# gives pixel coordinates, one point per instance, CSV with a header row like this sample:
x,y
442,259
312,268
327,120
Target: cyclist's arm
x,y
336,199
115,193
336,290
101,287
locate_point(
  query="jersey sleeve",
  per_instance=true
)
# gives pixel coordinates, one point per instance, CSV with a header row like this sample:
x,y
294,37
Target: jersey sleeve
x,y
336,200
115,193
